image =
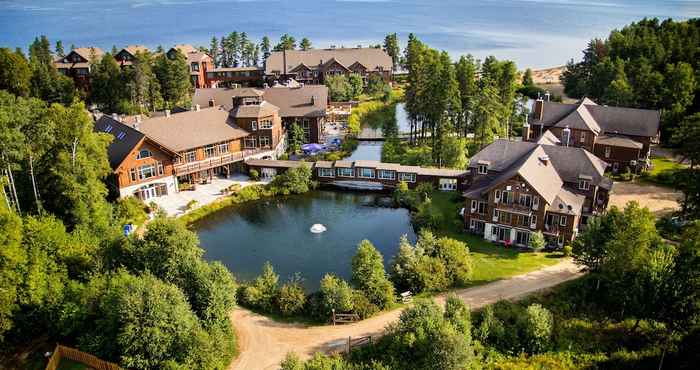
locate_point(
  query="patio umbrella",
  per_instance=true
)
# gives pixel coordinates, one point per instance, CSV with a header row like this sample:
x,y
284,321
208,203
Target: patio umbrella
x,y
312,147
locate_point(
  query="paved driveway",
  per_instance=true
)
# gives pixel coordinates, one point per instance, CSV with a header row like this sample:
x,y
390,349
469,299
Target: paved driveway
x,y
176,204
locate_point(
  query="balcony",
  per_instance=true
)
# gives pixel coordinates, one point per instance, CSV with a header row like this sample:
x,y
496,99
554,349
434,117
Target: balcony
x,y
213,162
516,207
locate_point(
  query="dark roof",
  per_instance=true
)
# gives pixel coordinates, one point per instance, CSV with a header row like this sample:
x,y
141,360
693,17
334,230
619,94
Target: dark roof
x,y
371,58
611,120
121,145
509,158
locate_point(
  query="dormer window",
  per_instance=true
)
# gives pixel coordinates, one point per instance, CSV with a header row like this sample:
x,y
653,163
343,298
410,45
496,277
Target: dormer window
x,y
143,153
584,184
483,169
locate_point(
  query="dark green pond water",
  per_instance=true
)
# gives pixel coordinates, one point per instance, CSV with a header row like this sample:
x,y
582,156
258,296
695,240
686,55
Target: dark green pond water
x,y
277,230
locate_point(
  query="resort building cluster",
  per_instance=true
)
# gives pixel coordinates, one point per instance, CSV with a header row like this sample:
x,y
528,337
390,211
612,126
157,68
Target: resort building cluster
x,y
552,180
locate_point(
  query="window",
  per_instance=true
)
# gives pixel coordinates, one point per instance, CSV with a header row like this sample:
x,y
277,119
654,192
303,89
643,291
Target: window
x,y
507,197
325,172
264,141
474,203
497,196
143,153
481,208
147,171
525,200
616,166
132,174
584,184
483,169
253,125
562,220
504,217
535,203
496,213
195,67
607,152
583,136
191,156
160,168
386,175
344,172
223,148
305,124
408,177
365,172
209,151
249,142
266,124
448,184
533,220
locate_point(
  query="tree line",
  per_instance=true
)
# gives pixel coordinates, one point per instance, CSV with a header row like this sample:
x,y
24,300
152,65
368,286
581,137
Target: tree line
x,y
154,81
648,64
238,50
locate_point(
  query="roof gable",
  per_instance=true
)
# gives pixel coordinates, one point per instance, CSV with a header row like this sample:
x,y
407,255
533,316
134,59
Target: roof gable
x,y
125,139
580,119
371,58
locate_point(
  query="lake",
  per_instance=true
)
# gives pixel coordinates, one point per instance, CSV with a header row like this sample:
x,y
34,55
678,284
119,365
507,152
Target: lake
x,y
277,230
534,33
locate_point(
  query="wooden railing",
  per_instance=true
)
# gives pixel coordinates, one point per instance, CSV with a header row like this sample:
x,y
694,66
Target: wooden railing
x,y
342,318
205,164
78,356
358,342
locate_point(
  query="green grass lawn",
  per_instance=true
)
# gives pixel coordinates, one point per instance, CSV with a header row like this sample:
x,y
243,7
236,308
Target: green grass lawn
x,y
662,171
491,262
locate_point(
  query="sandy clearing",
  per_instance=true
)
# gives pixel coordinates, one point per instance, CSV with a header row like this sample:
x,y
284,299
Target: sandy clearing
x,y
660,200
263,343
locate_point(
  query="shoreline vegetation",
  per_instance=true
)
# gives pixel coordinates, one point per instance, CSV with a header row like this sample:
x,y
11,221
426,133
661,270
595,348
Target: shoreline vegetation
x,y
440,227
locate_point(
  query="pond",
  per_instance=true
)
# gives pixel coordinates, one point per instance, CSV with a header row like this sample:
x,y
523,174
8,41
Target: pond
x,y
372,150
277,230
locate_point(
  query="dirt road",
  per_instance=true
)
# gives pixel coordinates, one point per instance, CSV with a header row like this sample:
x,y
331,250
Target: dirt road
x,y
263,343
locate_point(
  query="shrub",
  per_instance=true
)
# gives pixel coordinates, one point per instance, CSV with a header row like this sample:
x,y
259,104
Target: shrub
x,y
131,210
234,189
254,174
567,251
336,294
369,276
292,181
537,241
432,275
291,298
427,216
455,255
457,313
362,306
538,326
262,291
191,204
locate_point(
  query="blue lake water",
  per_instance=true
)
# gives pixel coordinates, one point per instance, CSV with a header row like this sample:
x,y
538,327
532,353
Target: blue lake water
x,y
277,230
534,33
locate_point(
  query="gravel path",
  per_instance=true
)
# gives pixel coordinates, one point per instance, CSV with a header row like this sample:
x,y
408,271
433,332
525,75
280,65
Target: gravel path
x,y
263,343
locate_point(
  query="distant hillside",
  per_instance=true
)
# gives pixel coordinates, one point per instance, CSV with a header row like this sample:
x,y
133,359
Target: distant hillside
x,y
547,75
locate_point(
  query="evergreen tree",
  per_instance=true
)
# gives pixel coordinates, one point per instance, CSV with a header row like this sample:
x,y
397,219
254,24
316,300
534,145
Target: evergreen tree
x,y
466,70
265,46
108,85
214,51
369,276
287,42
391,47
15,73
174,78
305,44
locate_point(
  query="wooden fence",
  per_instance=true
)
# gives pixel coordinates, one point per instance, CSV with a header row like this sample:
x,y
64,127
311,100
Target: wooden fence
x,y
342,318
358,342
78,356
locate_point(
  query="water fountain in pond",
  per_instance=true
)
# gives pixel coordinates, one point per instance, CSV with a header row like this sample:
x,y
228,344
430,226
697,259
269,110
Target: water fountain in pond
x,y
317,228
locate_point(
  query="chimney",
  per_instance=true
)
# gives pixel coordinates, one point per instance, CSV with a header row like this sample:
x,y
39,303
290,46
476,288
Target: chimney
x,y
196,107
167,112
526,130
566,136
544,159
284,62
212,102
538,109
